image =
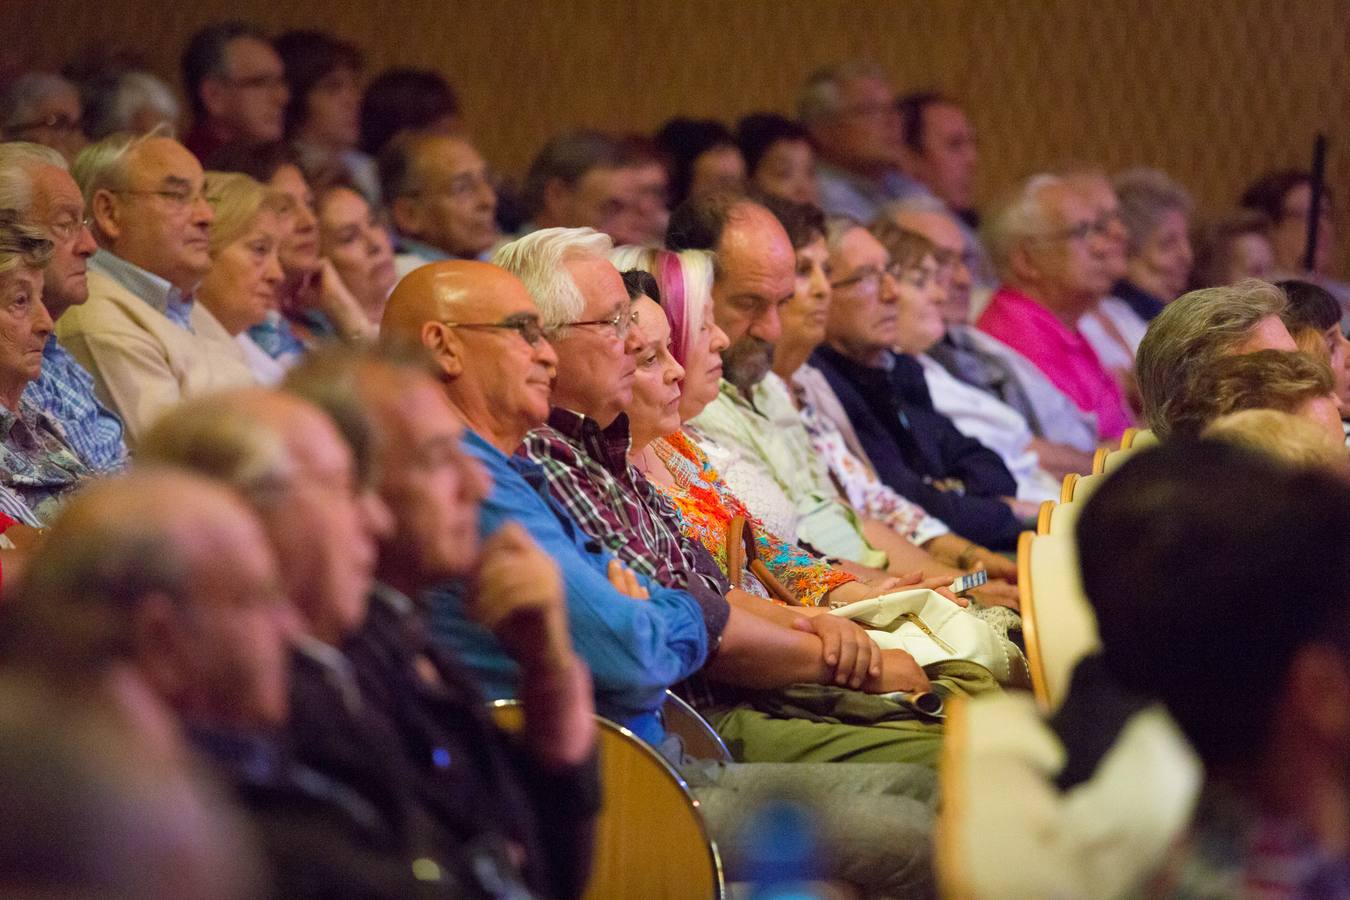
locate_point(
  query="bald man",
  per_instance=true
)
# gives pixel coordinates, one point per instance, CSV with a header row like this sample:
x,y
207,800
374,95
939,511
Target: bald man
x,y
482,328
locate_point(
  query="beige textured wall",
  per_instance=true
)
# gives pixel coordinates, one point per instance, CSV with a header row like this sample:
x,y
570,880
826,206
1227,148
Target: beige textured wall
x,y
1213,91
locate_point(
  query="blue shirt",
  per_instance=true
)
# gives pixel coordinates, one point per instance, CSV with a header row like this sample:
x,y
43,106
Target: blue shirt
x,y
65,391
151,288
635,649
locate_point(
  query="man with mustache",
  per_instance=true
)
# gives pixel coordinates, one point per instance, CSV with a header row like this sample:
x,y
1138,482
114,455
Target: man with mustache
x,y
141,336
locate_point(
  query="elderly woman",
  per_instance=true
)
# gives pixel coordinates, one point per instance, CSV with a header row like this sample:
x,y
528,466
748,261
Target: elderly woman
x,y
358,246
1156,212
241,286
37,467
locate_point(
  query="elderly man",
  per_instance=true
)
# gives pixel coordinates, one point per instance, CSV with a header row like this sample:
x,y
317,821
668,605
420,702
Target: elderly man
x,y
588,179
496,368
141,336
1065,436
236,85
323,520
915,449
35,182
850,112
1194,331
438,193
45,109
1057,256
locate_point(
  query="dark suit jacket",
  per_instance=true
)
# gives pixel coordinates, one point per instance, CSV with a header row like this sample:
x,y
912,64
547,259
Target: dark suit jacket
x,y
911,445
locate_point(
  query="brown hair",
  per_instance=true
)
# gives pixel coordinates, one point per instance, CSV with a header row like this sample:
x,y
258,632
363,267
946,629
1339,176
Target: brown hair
x,y
1267,379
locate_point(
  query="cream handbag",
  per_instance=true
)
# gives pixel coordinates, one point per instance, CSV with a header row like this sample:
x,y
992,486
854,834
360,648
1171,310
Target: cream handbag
x,y
931,628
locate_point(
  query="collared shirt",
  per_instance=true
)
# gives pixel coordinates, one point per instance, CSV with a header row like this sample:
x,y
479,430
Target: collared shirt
x,y
762,450
414,254
588,473
635,649
844,193
275,337
918,451
1144,304
154,290
65,391
36,462
1059,351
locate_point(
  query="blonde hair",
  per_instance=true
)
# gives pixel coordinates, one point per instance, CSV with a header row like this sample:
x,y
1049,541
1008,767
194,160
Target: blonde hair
x,y
1288,438
687,304
21,246
237,199
907,248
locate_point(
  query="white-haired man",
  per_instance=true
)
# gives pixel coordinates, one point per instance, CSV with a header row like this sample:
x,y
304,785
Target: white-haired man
x,y
36,183
1054,252
141,336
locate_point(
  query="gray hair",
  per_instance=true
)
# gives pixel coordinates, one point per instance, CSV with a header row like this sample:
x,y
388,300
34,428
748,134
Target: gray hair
x,y
539,260
1019,216
821,96
112,103
21,100
1146,195
917,203
18,159
1191,333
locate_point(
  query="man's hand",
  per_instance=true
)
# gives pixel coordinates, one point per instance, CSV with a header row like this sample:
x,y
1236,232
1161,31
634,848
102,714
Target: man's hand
x,y
899,672
624,581
519,597
845,646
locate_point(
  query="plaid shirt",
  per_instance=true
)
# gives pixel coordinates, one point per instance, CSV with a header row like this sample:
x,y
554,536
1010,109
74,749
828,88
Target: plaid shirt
x,y
588,474
65,391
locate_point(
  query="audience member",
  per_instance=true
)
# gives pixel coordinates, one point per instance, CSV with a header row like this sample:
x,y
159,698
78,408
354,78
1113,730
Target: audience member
x,y
128,100
915,449
1232,248
779,158
940,150
1292,439
323,74
440,199
356,243
35,181
241,285
1313,318
541,791
1282,380
38,468
703,159
1053,250
585,179
1272,812
1156,212
849,110
236,85
1199,328
43,109
141,336
653,188
399,100
1285,198
1064,436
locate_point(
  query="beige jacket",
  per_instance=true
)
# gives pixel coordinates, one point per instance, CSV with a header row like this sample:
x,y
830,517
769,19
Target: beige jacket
x,y
141,361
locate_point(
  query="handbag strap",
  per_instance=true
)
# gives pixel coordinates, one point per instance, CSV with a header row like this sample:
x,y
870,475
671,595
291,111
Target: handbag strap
x,y
743,554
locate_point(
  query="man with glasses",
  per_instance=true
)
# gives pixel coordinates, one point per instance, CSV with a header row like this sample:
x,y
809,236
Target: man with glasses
x,y
440,198
141,336
851,113
35,182
1055,252
45,109
236,85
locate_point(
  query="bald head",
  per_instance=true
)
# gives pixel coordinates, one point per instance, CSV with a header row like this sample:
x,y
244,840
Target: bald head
x,y
442,291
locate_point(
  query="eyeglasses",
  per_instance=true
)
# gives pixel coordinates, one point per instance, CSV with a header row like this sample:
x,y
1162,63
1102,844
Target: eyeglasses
x,y
868,278
54,121
525,324
1101,227
179,197
621,321
67,229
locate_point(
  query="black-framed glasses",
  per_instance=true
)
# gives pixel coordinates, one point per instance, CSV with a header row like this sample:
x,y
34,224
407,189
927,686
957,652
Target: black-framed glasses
x,y
525,324
622,320
869,278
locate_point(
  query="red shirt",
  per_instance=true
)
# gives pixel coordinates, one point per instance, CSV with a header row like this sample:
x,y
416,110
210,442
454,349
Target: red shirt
x,y
1061,353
